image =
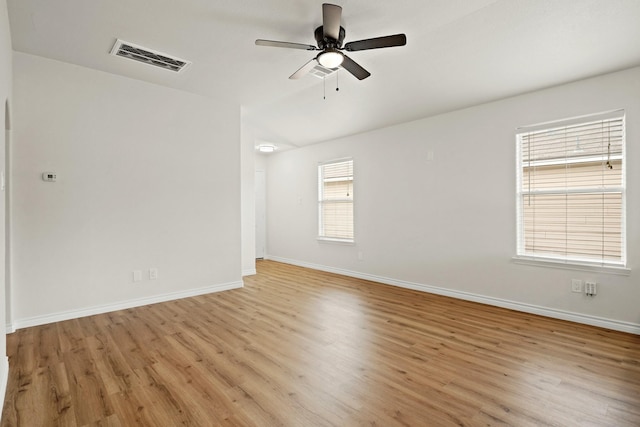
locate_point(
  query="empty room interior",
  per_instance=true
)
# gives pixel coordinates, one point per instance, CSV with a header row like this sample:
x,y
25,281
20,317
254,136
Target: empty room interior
x,y
277,213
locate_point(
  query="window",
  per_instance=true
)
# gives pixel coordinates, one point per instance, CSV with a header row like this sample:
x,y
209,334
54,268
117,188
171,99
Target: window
x,y
335,200
571,191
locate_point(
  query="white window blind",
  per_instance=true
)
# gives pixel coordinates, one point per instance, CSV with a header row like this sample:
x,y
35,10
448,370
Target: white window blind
x,y
571,191
335,200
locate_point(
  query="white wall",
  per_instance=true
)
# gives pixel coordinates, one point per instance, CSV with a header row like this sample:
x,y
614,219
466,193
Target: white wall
x,y
248,153
147,177
260,230
250,161
448,225
5,100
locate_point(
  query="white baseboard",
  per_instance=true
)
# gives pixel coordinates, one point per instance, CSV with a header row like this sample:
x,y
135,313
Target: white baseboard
x,y
4,379
74,314
249,272
617,325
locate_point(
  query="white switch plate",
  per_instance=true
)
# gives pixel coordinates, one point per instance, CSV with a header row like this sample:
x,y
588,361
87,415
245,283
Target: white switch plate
x,y
590,288
153,273
137,275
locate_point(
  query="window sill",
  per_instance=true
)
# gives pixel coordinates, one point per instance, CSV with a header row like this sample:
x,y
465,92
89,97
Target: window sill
x,y
572,265
347,242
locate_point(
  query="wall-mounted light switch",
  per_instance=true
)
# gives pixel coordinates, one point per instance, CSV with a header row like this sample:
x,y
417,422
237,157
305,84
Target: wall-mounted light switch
x,y
137,275
590,288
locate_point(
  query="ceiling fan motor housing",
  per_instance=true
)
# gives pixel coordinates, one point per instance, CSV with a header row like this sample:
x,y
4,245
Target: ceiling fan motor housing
x,y
327,42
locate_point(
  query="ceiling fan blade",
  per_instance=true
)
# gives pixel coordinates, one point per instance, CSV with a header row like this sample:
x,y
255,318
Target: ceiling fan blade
x,y
302,71
354,68
331,15
288,45
377,43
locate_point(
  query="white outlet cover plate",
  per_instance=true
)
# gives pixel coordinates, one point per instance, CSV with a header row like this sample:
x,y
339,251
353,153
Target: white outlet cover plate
x,y
576,285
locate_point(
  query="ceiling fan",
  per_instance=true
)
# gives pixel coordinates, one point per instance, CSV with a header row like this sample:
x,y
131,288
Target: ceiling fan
x,y
329,37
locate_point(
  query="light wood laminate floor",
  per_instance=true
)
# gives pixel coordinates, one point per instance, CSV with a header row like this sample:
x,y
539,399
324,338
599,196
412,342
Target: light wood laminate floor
x,y
297,347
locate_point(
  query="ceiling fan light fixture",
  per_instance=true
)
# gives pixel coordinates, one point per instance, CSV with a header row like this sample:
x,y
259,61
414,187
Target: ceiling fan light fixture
x,y
330,58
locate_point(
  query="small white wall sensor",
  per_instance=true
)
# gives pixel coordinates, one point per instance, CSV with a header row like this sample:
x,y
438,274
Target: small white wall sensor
x,y
49,176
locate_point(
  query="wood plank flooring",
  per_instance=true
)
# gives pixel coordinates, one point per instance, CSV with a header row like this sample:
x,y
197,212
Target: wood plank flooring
x,y
297,347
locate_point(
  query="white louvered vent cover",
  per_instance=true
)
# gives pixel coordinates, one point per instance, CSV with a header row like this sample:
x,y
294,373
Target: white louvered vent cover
x,y
147,56
321,72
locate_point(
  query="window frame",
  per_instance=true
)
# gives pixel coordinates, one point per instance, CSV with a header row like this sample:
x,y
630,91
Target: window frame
x,y
570,261
322,237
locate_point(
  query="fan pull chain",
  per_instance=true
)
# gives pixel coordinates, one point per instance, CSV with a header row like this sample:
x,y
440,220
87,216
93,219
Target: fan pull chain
x,y
324,84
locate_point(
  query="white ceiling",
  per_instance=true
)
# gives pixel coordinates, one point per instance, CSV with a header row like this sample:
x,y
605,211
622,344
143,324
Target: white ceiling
x,y
458,53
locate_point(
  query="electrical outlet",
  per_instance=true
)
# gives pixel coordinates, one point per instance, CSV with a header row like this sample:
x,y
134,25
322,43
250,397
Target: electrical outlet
x,y
137,275
576,285
153,273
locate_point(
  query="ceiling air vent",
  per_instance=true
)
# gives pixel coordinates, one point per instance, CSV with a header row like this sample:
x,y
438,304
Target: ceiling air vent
x,y
321,72
148,56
